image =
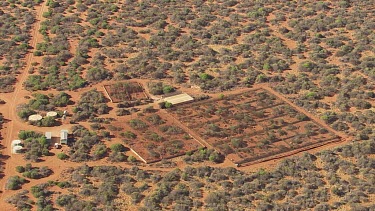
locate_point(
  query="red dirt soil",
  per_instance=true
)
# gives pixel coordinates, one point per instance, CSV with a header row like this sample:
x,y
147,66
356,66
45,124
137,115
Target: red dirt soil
x,y
10,129
198,116
144,147
9,111
117,94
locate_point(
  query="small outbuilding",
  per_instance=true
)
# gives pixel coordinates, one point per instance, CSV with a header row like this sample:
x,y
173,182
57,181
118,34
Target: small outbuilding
x,y
16,143
178,99
16,146
64,137
48,136
35,117
17,149
52,114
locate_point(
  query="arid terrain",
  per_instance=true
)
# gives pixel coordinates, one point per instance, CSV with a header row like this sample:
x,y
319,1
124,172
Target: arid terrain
x,y
283,113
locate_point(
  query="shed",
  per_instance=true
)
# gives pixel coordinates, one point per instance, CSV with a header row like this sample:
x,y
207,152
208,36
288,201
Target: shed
x,y
17,149
48,136
178,99
16,143
64,137
35,117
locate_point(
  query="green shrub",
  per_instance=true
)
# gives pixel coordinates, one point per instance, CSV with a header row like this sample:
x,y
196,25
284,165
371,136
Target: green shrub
x,y
62,156
38,53
100,151
205,76
117,147
132,159
168,105
63,184
15,183
25,134
167,89
117,157
128,134
20,169
48,121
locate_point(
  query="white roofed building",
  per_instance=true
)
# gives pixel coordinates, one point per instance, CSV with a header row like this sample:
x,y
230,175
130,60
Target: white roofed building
x,y
48,135
35,117
178,99
64,137
52,114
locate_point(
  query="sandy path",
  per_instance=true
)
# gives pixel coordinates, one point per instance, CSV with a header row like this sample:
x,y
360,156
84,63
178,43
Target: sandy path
x,y
14,98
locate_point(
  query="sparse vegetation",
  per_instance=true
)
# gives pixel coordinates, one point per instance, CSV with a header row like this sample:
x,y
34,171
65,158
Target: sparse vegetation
x,y
251,126
91,104
317,54
34,172
158,88
15,183
296,182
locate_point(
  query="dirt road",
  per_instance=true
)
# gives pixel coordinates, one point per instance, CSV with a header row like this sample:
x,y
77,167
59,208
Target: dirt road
x,y
14,98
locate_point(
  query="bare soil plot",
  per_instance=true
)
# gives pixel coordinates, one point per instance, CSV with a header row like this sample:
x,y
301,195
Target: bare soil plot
x,y
154,137
125,91
252,125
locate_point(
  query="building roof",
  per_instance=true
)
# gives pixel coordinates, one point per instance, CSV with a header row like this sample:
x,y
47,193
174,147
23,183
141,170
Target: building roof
x,y
63,134
16,142
48,135
35,117
177,99
16,148
51,113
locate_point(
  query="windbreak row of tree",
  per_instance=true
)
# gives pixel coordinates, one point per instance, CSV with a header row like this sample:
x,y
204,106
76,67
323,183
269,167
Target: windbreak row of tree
x,y
341,178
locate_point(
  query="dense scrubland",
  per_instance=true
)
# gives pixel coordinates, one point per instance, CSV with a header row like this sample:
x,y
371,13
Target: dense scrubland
x,y
338,179
16,20
318,54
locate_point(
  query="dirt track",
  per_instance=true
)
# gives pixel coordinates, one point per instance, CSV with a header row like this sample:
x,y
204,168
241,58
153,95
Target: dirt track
x,y
15,98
